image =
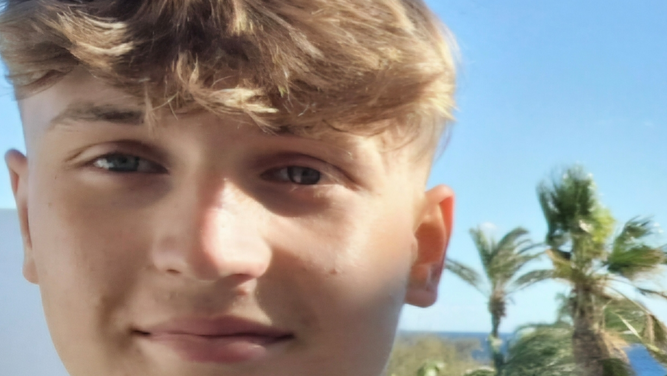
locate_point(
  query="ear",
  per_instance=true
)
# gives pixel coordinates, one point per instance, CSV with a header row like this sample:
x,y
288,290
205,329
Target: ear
x,y
432,237
17,163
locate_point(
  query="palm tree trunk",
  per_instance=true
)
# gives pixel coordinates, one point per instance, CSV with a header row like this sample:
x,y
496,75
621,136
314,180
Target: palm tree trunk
x,y
495,343
587,340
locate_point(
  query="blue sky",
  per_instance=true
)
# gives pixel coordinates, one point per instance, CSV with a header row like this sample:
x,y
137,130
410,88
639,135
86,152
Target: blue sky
x,y
543,84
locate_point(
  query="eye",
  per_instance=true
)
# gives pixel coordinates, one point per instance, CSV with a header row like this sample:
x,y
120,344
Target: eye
x,y
123,163
294,174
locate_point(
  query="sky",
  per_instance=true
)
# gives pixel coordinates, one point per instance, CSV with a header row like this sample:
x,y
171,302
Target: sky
x,y
542,85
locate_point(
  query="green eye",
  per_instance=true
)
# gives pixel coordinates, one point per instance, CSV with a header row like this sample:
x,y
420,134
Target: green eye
x,y
122,163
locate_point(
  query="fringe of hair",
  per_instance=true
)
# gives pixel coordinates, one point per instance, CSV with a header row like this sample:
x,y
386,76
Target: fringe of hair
x,y
288,64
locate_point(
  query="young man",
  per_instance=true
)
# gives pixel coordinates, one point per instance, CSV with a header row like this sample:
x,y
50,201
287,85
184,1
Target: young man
x,y
228,187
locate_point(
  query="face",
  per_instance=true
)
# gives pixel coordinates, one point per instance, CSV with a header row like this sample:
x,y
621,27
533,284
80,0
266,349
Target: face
x,y
202,246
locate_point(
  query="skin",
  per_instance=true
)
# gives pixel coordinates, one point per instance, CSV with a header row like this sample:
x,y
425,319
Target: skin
x,y
213,226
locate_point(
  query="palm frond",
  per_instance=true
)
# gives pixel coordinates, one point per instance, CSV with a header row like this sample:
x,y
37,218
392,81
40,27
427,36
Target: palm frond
x,y
616,367
569,199
484,247
512,241
506,269
655,340
655,332
631,256
621,313
564,310
641,324
573,213
650,292
635,229
510,255
467,275
635,262
544,350
530,278
653,337
563,268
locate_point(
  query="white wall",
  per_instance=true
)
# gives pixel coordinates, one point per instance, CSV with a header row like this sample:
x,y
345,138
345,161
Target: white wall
x,y
25,345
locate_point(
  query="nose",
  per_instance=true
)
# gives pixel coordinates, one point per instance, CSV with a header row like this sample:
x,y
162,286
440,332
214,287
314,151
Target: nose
x,y
210,234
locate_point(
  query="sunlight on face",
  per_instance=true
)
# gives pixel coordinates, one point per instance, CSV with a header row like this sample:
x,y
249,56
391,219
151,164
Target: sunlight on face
x,y
206,247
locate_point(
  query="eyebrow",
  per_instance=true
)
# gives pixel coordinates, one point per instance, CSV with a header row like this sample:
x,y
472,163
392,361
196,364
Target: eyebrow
x,y
90,112
115,114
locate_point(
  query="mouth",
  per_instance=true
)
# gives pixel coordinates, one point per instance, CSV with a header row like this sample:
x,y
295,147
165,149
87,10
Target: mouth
x,y
225,341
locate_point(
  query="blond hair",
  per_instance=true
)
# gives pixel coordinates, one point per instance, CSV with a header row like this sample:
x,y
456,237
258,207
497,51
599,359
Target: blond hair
x,y
288,64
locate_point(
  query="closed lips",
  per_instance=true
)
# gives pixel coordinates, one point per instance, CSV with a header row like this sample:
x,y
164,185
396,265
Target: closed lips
x,y
228,340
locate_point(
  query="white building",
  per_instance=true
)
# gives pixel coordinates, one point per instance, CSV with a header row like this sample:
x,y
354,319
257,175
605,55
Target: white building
x,y
25,345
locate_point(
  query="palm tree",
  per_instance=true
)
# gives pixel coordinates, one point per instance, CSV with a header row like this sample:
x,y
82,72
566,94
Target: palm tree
x,y
546,349
541,349
593,260
502,260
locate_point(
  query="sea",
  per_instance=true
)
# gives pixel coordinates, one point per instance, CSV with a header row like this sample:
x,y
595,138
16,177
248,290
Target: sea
x,y
641,361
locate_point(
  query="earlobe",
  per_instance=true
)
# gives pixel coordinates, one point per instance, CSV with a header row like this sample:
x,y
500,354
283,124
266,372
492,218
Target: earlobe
x,y
432,237
17,163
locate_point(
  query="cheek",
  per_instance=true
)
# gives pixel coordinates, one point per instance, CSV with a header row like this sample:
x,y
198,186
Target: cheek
x,y
350,269
87,255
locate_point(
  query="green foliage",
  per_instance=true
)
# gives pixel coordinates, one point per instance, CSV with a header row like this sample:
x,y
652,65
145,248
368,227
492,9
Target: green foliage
x,y
502,260
431,368
631,257
415,352
647,331
530,278
544,350
467,274
587,254
574,215
620,314
482,371
595,317
616,367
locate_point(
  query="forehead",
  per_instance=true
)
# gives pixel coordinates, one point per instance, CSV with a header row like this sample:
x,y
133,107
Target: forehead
x,y
80,101
81,98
